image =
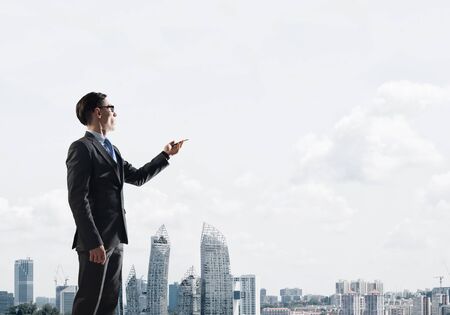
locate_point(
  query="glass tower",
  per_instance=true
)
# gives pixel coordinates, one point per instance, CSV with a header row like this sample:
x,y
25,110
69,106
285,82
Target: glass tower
x,y
23,281
132,294
189,294
217,282
158,271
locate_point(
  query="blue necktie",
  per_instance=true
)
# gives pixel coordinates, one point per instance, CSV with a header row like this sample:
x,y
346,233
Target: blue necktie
x,y
109,149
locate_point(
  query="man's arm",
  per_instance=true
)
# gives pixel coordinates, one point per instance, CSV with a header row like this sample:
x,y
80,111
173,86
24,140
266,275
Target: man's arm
x,y
78,177
142,175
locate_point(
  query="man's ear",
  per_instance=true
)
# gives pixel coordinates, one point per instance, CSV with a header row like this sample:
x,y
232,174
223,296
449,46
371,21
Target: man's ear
x,y
98,113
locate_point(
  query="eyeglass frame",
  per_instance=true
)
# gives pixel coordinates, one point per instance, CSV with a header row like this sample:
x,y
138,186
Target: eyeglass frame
x,y
111,107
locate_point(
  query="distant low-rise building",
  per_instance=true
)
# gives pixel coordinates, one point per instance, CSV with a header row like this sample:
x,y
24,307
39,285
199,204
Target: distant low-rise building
x,y
6,301
275,311
271,300
290,295
41,301
173,296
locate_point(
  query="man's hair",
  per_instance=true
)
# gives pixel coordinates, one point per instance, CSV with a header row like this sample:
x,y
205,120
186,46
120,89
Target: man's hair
x,y
87,104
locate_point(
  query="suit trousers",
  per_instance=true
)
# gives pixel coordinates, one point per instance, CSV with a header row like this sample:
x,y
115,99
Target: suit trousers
x,y
98,285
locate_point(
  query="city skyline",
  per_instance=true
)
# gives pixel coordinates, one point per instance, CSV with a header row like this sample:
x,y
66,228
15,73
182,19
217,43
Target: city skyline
x,y
317,134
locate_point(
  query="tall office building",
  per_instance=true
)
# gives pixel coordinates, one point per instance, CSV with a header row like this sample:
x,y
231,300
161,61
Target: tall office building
x,y
132,294
173,296
351,304
6,301
189,294
23,281
217,282
438,300
158,271
373,304
262,296
444,310
421,305
249,295
66,298
58,290
359,286
377,286
342,287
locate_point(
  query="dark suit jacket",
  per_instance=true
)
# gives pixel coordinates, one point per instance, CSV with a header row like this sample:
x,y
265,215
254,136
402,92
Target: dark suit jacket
x,y
95,184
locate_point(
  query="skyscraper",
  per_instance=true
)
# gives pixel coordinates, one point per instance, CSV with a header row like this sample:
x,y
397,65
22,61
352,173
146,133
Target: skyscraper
x,y
342,287
132,293
173,296
189,294
158,271
58,290
377,285
250,302
66,299
262,296
374,304
359,286
217,282
23,281
437,300
421,305
351,304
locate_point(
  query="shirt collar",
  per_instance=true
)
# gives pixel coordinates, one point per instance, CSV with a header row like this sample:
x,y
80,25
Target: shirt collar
x,y
100,138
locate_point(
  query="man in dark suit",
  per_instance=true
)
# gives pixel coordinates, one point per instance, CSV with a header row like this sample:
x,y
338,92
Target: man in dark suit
x,y
96,173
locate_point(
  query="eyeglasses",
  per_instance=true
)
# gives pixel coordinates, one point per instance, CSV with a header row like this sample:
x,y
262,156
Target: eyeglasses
x,y
111,107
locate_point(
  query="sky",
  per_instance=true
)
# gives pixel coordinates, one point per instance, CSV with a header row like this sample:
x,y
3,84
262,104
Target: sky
x,y
318,134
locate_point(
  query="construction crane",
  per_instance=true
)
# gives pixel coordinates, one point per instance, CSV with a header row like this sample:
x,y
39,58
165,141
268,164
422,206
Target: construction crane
x,y
440,280
59,274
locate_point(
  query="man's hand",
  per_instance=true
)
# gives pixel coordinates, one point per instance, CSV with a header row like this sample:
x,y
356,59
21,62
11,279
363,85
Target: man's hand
x,y
172,148
98,255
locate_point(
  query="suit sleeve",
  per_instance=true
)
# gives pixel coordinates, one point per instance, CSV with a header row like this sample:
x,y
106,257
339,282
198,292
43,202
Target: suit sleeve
x,y
79,169
142,175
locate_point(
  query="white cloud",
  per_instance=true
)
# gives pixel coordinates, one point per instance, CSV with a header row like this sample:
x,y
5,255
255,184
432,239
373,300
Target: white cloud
x,y
436,198
373,142
407,97
409,235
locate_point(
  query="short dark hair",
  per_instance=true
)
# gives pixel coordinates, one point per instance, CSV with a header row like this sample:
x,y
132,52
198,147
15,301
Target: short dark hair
x,y
87,104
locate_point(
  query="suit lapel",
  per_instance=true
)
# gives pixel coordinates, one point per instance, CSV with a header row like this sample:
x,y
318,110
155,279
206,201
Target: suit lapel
x,y
104,154
120,163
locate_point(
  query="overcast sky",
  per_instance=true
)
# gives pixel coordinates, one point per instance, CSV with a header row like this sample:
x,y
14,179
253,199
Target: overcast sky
x,y
318,134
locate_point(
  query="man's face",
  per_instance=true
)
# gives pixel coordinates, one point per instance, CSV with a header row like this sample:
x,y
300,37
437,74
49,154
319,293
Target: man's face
x,y
107,116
